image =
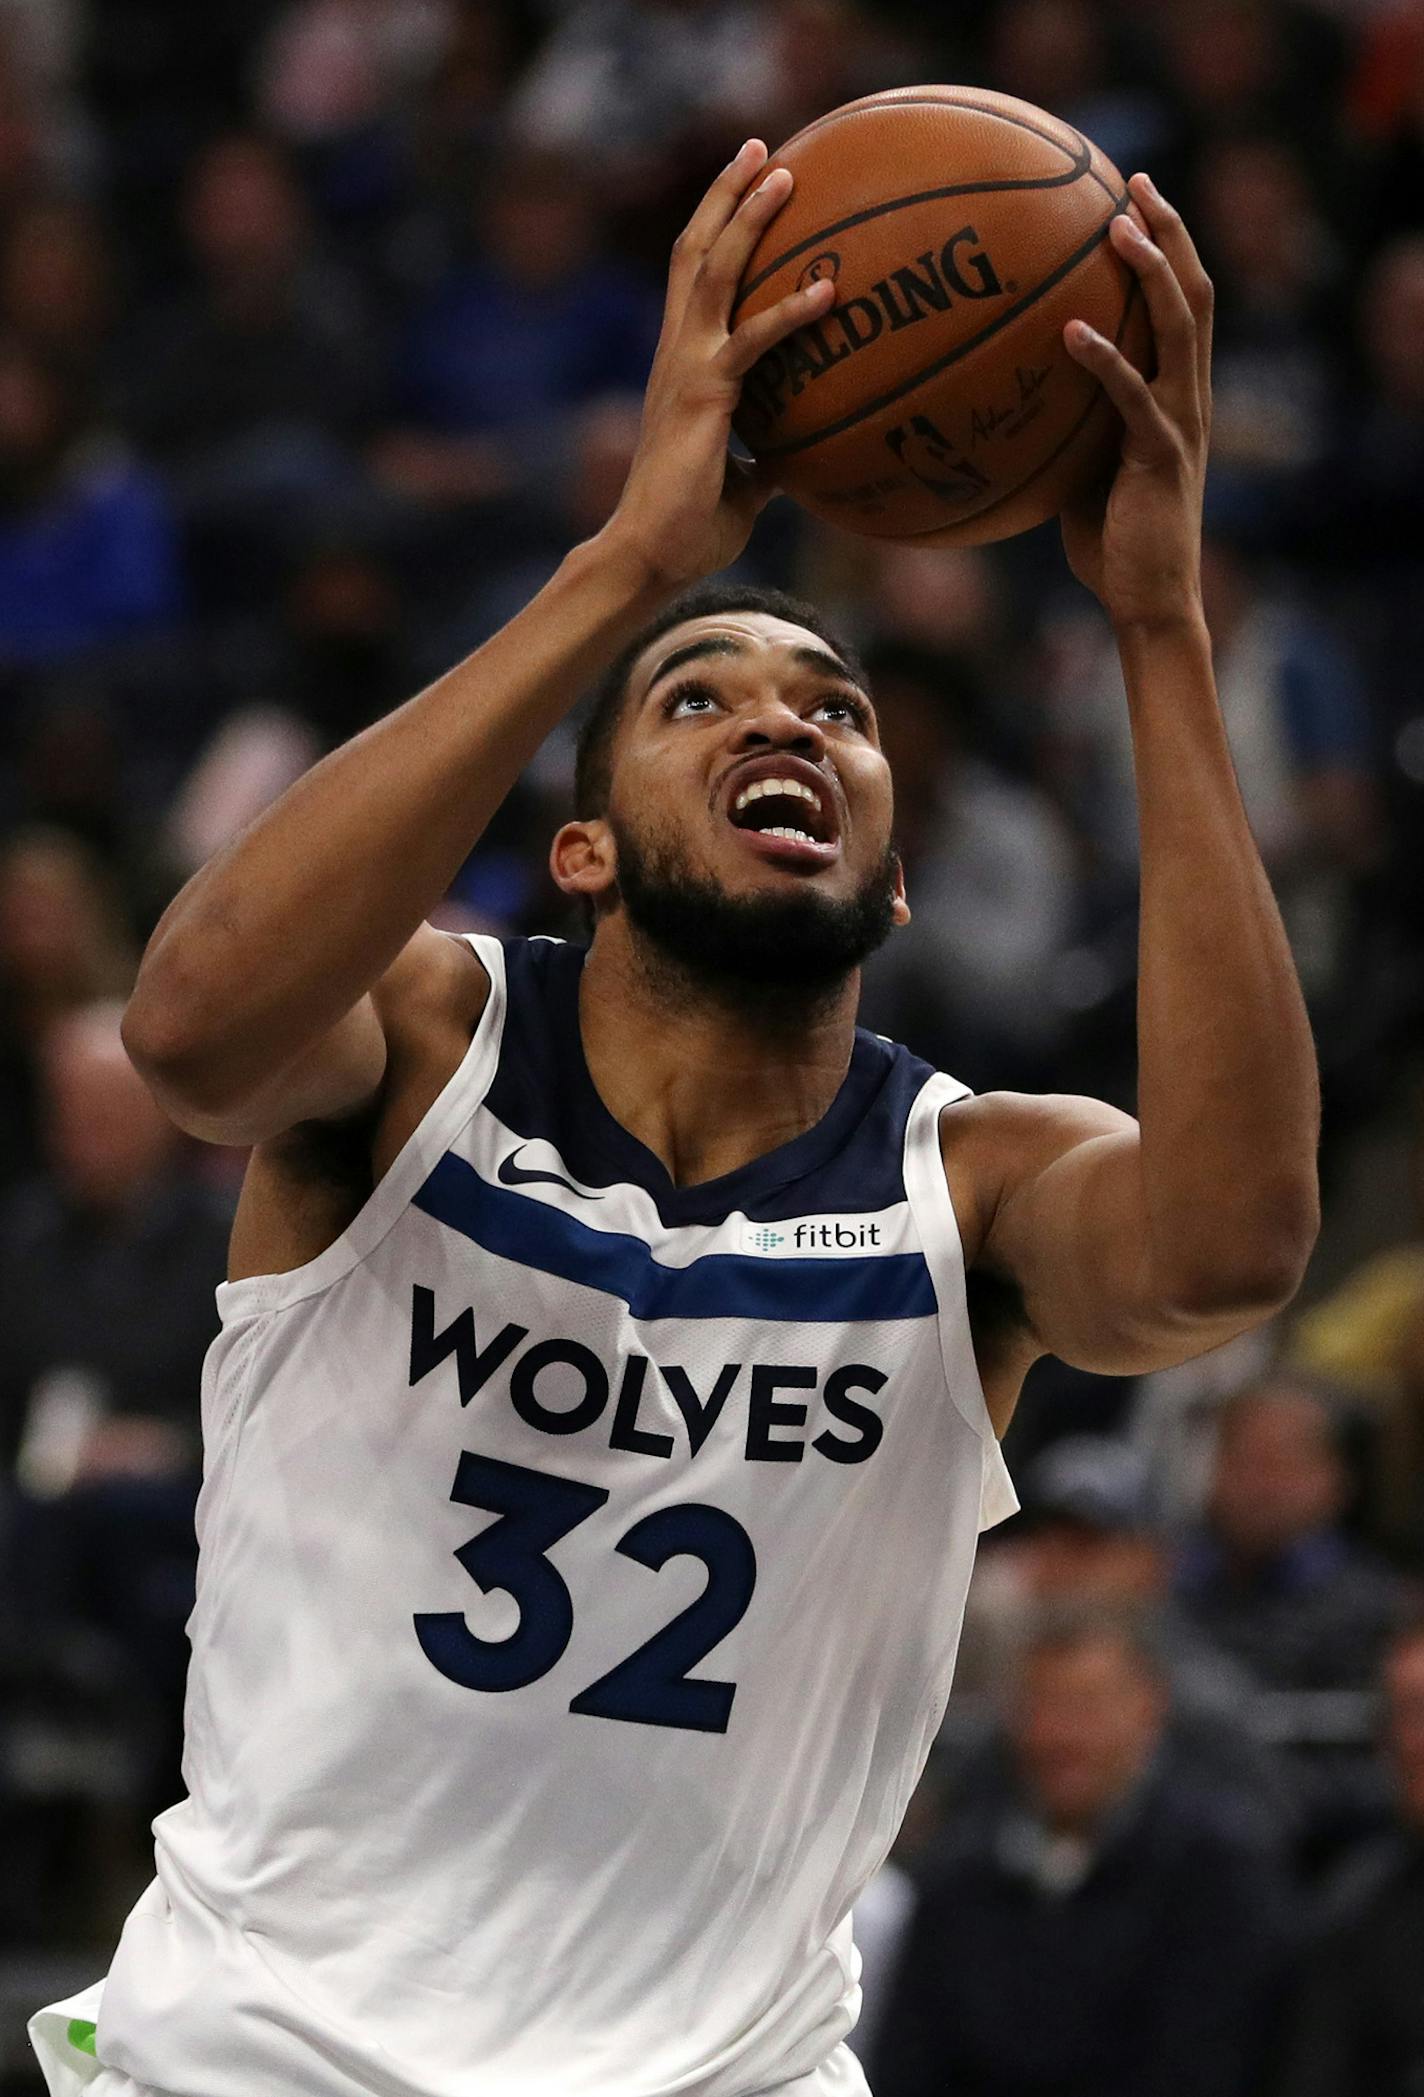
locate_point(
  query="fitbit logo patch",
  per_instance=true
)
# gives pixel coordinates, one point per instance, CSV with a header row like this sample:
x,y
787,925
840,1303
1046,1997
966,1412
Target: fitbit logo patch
x,y
813,1237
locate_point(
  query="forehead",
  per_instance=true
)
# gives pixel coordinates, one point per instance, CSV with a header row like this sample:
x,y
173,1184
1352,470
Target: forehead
x,y
754,635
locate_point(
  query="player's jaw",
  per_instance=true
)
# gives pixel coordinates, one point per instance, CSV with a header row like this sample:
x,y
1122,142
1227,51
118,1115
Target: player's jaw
x,y
759,931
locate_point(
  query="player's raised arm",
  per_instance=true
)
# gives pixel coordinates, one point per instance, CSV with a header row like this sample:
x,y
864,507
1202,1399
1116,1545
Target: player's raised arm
x,y
254,1007
1139,1243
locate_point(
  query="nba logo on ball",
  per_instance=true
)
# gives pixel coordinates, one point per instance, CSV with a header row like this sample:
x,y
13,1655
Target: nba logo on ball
x,y
924,450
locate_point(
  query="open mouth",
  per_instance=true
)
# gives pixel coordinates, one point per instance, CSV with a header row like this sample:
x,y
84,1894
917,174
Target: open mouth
x,y
792,819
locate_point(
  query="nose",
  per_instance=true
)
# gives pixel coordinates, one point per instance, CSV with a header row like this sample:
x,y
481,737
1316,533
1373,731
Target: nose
x,y
772,724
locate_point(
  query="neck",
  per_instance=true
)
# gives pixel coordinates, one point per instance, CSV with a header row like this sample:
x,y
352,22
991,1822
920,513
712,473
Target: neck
x,y
708,1078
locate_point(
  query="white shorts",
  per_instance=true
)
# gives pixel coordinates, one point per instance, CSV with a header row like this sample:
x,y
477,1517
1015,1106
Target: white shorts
x,y
63,2039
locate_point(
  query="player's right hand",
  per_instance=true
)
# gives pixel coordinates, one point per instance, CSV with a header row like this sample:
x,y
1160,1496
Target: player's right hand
x,y
689,506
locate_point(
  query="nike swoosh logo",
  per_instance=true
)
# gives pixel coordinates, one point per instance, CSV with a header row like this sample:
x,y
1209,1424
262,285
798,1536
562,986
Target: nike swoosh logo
x,y
514,1175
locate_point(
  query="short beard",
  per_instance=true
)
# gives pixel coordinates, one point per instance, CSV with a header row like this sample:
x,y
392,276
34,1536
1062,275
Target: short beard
x,y
795,947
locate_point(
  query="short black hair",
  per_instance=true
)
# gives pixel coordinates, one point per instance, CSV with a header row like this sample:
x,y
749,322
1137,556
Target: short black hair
x,y
593,763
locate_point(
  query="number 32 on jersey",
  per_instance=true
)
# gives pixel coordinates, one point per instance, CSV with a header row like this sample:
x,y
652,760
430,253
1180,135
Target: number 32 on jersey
x,y
651,1687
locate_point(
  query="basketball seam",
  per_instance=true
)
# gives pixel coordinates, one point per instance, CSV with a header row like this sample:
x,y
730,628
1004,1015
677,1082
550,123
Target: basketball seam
x,y
1008,494
961,350
875,106
1080,165
1103,184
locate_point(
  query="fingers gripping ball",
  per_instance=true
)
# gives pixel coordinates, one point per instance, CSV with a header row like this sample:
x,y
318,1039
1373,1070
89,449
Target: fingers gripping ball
x,y
936,399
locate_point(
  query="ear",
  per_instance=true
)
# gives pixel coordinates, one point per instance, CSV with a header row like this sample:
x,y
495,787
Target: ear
x,y
583,858
900,908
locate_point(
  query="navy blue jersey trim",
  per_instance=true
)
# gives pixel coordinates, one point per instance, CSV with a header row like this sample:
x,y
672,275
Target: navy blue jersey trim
x,y
534,1234
849,1162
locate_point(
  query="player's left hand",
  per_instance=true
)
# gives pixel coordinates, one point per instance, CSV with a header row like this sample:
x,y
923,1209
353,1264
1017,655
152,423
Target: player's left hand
x,y
689,505
1138,549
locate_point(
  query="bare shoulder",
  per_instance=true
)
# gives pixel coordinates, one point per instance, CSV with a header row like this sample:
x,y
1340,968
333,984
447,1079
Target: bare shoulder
x,y
992,1143
429,1003
303,1187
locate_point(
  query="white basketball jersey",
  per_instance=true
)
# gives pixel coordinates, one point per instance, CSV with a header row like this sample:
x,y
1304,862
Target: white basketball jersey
x,y
583,1561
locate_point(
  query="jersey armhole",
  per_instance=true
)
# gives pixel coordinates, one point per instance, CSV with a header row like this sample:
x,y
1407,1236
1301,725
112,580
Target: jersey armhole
x,y
447,1115
927,1190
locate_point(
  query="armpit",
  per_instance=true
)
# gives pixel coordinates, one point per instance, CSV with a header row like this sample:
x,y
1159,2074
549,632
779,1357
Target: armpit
x,y
998,1317
333,1154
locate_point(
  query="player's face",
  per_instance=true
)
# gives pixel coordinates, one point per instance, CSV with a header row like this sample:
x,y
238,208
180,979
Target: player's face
x,y
748,833
745,737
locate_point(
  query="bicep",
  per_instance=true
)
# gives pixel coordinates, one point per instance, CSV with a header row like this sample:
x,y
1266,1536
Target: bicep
x,y
337,1077
1058,1188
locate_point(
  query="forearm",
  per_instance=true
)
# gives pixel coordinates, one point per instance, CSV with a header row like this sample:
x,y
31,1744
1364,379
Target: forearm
x,y
282,932
273,944
1228,1099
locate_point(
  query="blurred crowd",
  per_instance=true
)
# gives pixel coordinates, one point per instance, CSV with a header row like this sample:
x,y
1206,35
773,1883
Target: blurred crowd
x,y
323,325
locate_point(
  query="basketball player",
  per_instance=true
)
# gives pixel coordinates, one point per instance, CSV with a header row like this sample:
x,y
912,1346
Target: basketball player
x,y
600,1425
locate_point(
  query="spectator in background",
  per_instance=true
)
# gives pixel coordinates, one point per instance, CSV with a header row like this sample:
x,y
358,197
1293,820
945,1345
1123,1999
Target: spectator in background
x,y
541,320
108,1262
950,600
1300,735
1271,1578
1237,66
331,70
1086,1540
990,873
1099,1933
455,130
40,46
63,943
1358,2029
1385,114
1173,1421
1277,277
342,658
337,79
1367,1337
1086,1537
22,158
115,1219
88,554
1060,54
1358,521
577,501
257,753
253,389
57,290
624,84
817,54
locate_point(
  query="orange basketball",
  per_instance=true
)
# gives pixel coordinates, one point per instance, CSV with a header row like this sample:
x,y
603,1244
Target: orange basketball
x,y
935,400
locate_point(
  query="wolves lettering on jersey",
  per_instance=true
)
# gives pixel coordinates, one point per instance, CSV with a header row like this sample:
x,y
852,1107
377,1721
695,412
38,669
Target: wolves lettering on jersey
x,y
583,1559
584,1390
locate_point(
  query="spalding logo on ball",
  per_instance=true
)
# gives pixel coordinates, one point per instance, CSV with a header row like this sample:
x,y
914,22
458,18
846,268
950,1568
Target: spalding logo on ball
x,y
935,399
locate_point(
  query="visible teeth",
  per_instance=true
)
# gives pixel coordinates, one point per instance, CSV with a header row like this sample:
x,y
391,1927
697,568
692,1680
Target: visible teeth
x,y
795,787
799,837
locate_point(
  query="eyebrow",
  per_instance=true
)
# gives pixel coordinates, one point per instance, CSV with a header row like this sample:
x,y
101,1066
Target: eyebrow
x,y
723,644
